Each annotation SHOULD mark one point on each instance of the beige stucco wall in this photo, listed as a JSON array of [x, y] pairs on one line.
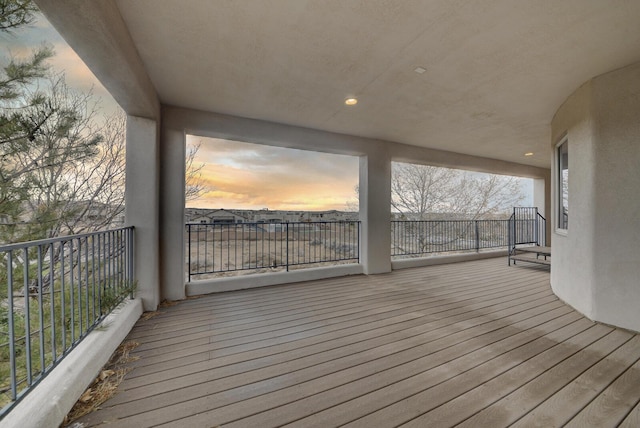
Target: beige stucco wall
[[575, 246], [596, 264], [617, 189]]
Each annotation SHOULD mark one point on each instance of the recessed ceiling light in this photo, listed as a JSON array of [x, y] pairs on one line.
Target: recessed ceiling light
[[529, 154], [351, 101], [419, 70]]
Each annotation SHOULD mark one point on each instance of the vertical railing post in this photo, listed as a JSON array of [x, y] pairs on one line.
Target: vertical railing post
[[99, 253], [189, 251], [535, 227], [287, 242], [86, 280], [72, 292], [79, 286], [62, 297], [93, 275], [131, 259], [358, 229], [27, 314], [12, 339], [477, 236], [52, 296], [40, 280]]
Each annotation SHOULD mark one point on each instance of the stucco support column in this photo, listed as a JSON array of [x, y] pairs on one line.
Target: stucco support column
[[596, 261], [142, 207], [375, 212], [172, 185]]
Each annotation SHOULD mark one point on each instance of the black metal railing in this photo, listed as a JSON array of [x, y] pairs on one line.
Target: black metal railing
[[215, 248], [527, 226], [440, 236], [54, 292]]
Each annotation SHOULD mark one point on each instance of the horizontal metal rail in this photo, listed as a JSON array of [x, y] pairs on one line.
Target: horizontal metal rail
[[214, 248], [54, 292], [441, 236]]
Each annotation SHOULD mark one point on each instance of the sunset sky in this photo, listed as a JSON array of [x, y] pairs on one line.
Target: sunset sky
[[249, 176]]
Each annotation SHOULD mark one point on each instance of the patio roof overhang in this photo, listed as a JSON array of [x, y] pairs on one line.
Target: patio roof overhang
[[496, 71]]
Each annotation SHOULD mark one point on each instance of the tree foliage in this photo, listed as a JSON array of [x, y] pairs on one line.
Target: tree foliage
[[64, 173], [418, 191], [194, 184], [61, 162], [16, 13]]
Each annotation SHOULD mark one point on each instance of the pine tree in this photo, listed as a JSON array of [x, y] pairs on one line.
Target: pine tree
[[15, 131]]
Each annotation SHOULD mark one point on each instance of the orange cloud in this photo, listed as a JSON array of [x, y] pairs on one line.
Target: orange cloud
[[249, 176]]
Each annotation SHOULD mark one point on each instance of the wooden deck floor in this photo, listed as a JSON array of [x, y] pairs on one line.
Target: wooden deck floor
[[475, 344]]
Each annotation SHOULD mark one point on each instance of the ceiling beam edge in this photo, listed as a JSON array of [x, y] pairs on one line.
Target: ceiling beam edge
[[99, 35], [218, 125]]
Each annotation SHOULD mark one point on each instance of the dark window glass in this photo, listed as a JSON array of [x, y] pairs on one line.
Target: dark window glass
[[563, 185]]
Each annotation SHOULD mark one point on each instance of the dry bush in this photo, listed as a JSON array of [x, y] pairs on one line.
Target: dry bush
[[105, 385]]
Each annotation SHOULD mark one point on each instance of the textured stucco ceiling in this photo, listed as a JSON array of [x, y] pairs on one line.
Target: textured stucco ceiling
[[497, 70]]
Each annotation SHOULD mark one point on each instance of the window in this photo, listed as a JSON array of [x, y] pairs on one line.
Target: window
[[563, 184]]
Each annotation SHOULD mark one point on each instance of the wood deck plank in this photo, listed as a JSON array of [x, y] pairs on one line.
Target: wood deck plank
[[265, 324], [517, 404], [460, 408], [475, 341], [400, 386], [376, 284], [368, 394], [307, 307], [298, 358], [389, 360], [335, 338], [217, 350], [613, 405], [231, 412], [558, 409], [358, 311], [633, 418], [406, 349], [461, 383]]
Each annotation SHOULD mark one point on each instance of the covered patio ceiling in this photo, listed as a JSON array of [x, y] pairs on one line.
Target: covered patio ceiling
[[495, 70]]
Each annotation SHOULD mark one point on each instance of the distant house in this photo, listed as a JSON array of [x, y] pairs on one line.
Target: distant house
[[276, 216], [270, 217], [203, 219], [331, 215], [220, 216]]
